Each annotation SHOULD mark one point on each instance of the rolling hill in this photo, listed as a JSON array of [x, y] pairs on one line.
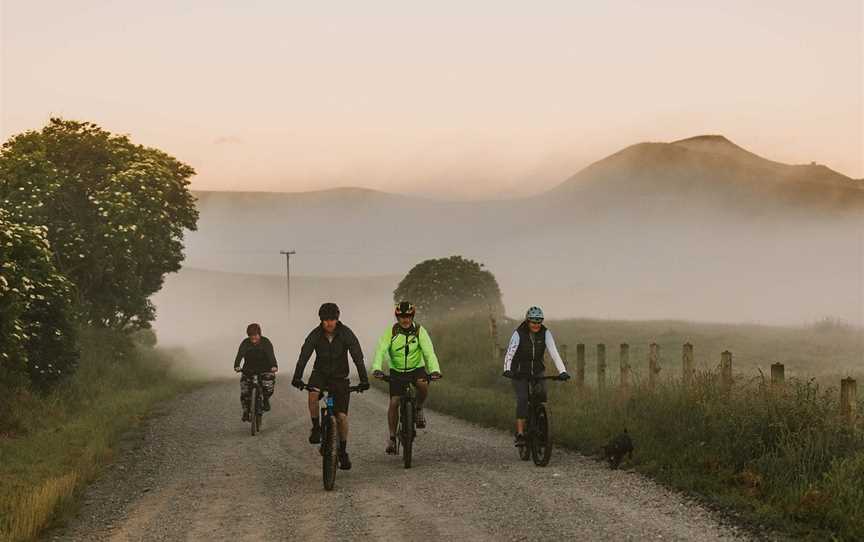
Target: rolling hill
[[698, 228]]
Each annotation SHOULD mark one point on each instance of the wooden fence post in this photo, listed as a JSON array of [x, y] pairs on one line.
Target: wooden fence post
[[653, 364], [687, 364], [848, 401], [601, 367], [726, 370], [493, 334], [778, 376], [580, 365], [624, 363]]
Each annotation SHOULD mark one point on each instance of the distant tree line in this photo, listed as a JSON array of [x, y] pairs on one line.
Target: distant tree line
[[90, 223]]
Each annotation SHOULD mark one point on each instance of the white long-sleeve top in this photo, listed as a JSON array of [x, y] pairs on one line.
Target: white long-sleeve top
[[550, 347]]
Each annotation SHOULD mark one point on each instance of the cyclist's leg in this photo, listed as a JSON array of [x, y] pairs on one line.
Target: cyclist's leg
[[339, 388], [396, 389], [268, 383], [245, 392], [317, 383], [421, 382], [520, 387]]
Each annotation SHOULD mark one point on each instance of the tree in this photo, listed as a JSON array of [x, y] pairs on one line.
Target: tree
[[37, 332], [450, 286], [115, 214]]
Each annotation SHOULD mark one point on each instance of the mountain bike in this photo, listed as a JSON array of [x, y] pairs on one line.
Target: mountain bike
[[538, 434], [405, 429], [256, 404], [329, 434]]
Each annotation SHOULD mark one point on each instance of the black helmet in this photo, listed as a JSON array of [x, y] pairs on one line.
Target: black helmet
[[405, 308], [328, 311]]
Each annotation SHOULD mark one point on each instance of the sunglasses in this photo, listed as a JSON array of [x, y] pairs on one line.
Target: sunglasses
[[538, 322]]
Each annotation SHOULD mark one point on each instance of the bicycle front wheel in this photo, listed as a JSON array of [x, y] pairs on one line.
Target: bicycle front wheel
[[407, 422], [253, 408], [328, 449], [541, 440]]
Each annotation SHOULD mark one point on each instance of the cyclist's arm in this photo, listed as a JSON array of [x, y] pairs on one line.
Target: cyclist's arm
[[240, 353], [305, 353], [553, 353], [357, 357], [381, 351], [271, 356], [428, 351], [511, 350]]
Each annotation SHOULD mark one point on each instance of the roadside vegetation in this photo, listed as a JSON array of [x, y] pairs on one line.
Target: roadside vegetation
[[90, 223], [783, 459]]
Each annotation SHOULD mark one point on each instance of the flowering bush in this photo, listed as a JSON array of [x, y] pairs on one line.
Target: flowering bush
[[37, 334], [114, 212]]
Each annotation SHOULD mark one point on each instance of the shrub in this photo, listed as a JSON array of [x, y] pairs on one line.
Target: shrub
[[37, 333], [450, 286]]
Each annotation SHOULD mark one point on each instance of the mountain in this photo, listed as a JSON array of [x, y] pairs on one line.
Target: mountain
[[712, 168], [698, 228]]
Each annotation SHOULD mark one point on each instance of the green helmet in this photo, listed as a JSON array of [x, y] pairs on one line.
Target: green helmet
[[534, 314]]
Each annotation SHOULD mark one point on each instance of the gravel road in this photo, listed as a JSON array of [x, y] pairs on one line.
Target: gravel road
[[195, 473]]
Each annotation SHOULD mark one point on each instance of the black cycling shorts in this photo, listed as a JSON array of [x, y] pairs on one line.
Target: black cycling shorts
[[399, 378], [337, 387]]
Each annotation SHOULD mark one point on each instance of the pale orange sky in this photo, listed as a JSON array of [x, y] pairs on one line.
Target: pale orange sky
[[449, 98]]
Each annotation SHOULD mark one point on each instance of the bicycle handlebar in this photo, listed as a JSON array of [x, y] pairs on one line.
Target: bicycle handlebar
[[527, 377], [305, 386], [388, 378]]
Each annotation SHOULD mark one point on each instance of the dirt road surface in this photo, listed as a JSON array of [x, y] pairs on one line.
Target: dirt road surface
[[195, 473]]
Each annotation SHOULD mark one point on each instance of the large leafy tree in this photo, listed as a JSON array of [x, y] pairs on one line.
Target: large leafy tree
[[450, 287], [115, 213], [37, 332]]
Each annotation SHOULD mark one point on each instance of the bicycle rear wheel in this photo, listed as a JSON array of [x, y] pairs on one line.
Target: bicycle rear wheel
[[541, 440], [253, 410], [328, 448], [407, 432]]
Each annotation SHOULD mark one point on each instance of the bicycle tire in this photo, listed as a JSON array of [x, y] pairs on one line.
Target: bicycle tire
[[253, 399], [541, 442], [329, 458], [407, 420]]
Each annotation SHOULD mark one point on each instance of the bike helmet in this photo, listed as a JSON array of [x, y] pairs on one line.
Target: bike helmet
[[405, 308], [328, 311], [534, 314]]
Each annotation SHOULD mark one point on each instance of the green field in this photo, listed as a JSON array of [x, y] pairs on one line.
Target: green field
[[782, 459], [51, 446]]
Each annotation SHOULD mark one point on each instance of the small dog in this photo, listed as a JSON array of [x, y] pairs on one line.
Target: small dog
[[617, 448]]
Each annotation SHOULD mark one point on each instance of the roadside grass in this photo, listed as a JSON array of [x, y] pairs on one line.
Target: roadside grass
[[52, 446], [780, 459]]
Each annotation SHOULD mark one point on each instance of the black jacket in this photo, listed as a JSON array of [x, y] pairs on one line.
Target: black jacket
[[529, 355], [331, 357], [259, 357]]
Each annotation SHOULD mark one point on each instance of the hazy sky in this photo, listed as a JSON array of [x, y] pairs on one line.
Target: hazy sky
[[449, 98]]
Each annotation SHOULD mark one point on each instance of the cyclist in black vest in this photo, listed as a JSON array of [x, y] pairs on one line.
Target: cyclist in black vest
[[331, 342], [524, 357], [257, 351]]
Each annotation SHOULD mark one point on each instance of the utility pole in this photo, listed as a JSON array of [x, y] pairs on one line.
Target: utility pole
[[288, 254]]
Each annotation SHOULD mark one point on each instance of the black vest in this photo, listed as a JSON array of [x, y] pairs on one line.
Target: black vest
[[529, 356]]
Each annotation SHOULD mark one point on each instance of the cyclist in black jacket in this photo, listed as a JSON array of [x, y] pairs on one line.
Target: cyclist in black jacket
[[331, 342], [257, 351]]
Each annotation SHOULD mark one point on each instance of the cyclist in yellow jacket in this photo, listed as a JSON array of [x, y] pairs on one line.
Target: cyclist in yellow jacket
[[409, 348]]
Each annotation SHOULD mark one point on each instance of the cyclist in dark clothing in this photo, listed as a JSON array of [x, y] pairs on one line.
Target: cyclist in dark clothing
[[331, 342], [257, 351], [524, 357]]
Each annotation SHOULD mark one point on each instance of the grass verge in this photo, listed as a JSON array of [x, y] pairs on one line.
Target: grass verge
[[781, 459], [51, 446]]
